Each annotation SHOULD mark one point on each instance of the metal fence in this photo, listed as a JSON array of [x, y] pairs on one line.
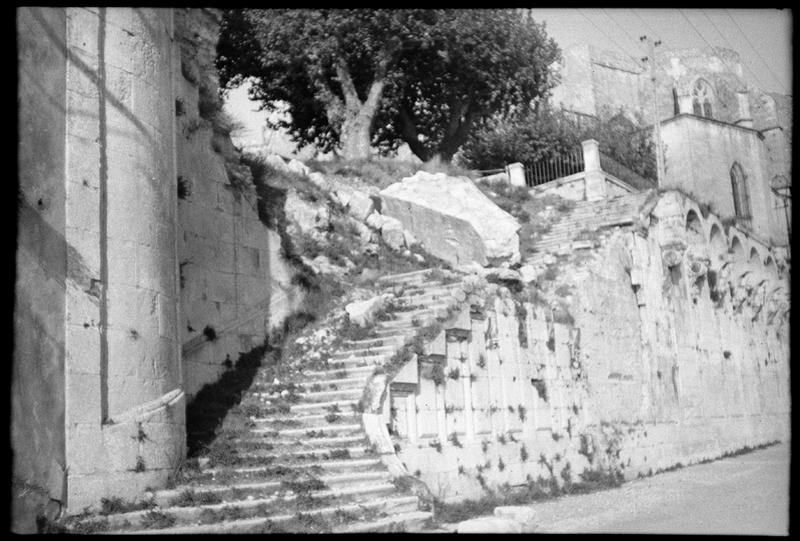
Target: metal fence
[[555, 167]]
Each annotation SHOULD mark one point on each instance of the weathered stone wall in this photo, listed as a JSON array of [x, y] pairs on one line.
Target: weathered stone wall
[[576, 91], [97, 373], [676, 352], [701, 154], [233, 278], [37, 384], [124, 404], [600, 83]]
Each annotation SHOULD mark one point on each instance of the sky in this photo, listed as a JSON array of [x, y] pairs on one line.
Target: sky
[[762, 37]]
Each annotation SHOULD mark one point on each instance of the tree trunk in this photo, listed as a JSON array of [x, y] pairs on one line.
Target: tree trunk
[[355, 136], [457, 131], [408, 133]]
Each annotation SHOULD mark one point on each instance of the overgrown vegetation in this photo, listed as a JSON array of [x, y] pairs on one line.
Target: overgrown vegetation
[[545, 133], [112, 506]]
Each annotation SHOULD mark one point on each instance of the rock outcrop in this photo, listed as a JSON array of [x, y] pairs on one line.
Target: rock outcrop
[[453, 219]]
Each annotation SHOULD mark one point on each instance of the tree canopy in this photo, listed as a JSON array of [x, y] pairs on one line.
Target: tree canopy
[[356, 78]]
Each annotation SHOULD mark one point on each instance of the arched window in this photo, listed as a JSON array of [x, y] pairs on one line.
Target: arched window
[[741, 195], [702, 99]]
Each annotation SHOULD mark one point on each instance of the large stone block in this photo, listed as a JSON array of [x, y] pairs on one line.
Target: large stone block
[[489, 525], [453, 219]]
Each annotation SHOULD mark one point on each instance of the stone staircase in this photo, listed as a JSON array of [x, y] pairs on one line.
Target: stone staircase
[[586, 216], [307, 465]]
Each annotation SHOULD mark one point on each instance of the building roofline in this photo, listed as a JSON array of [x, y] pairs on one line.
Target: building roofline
[[713, 121]]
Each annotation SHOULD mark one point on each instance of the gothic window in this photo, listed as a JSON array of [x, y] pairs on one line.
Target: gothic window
[[741, 195], [702, 99]]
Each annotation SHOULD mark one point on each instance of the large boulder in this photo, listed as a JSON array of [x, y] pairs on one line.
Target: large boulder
[[453, 219]]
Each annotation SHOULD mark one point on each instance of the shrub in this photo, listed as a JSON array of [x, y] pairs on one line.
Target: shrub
[[210, 333], [546, 133]]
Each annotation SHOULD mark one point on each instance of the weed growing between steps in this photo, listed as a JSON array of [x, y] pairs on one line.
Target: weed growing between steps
[[191, 498]]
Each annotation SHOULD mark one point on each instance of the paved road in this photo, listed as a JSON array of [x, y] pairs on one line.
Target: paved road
[[748, 494]]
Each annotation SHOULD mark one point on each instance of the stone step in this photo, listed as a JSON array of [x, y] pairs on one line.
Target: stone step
[[328, 466], [298, 443], [373, 342], [426, 299], [308, 419], [410, 522], [345, 406], [324, 395], [391, 328], [363, 352], [358, 362], [405, 319], [263, 507], [302, 456], [431, 288], [314, 376], [340, 383], [300, 432], [390, 505], [419, 309], [593, 222], [404, 276], [232, 491]]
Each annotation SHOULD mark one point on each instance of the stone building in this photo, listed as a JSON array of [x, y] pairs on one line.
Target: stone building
[[135, 244], [726, 143]]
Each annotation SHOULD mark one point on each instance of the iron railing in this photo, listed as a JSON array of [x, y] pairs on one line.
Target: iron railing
[[562, 165]]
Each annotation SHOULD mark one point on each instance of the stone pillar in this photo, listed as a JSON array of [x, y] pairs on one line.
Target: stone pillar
[[745, 119], [124, 411], [516, 174], [595, 181], [685, 104]]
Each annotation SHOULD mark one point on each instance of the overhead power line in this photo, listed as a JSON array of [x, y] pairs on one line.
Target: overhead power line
[[728, 43], [696, 31], [656, 34], [612, 40], [621, 27], [755, 51]]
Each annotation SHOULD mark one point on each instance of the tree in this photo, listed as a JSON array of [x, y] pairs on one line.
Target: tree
[[331, 67], [477, 63], [355, 77]]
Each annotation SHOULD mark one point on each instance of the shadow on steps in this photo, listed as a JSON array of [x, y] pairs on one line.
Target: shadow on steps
[[205, 413]]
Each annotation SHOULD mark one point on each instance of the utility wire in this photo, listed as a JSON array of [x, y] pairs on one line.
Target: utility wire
[[638, 63], [712, 47], [620, 26], [648, 26], [728, 43], [754, 50]]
